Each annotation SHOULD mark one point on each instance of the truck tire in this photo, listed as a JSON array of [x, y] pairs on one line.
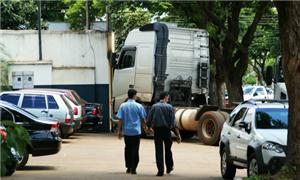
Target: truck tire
[[186, 134], [209, 127]]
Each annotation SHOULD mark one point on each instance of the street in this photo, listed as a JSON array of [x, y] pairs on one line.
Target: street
[[100, 156]]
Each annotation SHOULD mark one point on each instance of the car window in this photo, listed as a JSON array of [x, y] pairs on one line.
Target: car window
[[260, 91], [239, 117], [52, 103], [5, 115], [271, 118], [34, 101], [12, 98]]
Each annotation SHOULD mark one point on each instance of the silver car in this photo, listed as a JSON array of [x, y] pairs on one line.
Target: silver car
[[44, 104]]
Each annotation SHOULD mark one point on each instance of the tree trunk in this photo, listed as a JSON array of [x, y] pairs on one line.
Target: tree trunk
[[289, 22], [234, 87]]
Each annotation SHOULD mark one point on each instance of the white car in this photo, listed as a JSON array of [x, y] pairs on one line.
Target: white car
[[257, 92], [254, 137]]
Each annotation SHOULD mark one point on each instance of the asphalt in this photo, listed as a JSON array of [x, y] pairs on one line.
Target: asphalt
[[87, 156]]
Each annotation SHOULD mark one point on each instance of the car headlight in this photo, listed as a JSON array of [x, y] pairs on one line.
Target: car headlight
[[273, 147]]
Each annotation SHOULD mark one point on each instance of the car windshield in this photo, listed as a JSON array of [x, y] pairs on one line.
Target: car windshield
[[271, 118], [248, 90], [20, 110]]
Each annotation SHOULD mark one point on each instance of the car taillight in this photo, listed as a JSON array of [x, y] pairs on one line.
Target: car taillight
[[75, 111], [68, 119], [94, 112], [54, 127]]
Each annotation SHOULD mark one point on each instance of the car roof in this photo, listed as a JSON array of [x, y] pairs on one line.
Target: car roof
[[266, 104]]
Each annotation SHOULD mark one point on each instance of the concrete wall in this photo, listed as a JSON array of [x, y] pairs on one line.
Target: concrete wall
[[74, 60]]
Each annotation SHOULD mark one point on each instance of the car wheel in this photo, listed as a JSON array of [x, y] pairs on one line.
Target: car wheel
[[253, 168], [209, 127], [23, 161], [228, 170]]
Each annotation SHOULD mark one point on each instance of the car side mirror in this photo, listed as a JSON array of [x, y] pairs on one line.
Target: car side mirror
[[244, 125], [255, 94], [269, 75]]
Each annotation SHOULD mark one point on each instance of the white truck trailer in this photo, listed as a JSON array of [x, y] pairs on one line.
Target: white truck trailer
[[158, 58]]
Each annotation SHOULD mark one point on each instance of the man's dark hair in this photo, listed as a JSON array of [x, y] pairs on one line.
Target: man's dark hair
[[163, 95], [131, 93]]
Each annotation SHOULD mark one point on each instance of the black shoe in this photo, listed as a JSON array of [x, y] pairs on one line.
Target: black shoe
[[160, 173], [169, 170], [133, 171], [128, 170]]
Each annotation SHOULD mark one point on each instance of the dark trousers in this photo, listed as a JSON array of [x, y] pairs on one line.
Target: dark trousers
[[132, 145], [162, 136]]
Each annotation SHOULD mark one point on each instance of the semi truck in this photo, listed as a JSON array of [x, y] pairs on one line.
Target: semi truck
[[156, 58]]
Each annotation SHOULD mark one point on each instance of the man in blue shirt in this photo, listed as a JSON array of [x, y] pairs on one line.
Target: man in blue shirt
[[130, 116]]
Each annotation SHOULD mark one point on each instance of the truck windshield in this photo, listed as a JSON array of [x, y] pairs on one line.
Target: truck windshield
[[271, 118]]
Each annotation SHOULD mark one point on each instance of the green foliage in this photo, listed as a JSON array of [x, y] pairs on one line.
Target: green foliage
[[76, 12], [18, 14], [249, 77], [19, 139], [126, 19], [4, 84]]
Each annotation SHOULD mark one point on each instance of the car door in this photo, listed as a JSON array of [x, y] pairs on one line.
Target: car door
[[244, 136], [35, 103], [124, 75], [235, 132]]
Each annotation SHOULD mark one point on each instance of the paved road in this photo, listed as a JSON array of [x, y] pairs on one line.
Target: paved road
[[100, 156]]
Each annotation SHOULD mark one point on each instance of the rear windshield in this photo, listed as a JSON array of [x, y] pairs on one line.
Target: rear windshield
[[20, 110], [66, 102], [271, 118]]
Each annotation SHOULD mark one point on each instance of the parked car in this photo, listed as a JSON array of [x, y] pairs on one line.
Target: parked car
[[257, 92], [254, 137], [76, 108], [44, 104], [94, 115], [43, 131]]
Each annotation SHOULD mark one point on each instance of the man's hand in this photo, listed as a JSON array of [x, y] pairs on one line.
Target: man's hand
[[178, 139], [120, 135]]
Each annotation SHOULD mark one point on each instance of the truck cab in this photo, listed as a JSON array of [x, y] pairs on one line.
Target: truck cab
[[156, 58]]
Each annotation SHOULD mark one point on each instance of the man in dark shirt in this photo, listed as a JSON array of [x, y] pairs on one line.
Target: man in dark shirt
[[161, 119]]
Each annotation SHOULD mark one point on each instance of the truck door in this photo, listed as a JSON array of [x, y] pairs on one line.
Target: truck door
[[124, 75]]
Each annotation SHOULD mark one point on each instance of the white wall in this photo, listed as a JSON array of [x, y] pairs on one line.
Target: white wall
[[77, 57]]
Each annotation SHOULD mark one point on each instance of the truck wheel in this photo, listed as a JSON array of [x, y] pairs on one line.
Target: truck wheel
[[228, 170], [23, 160], [186, 134], [209, 127]]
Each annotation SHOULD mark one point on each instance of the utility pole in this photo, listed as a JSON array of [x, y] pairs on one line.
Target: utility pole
[[0, 13], [39, 29], [87, 27]]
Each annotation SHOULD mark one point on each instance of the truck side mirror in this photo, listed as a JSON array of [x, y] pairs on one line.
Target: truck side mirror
[[269, 75]]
